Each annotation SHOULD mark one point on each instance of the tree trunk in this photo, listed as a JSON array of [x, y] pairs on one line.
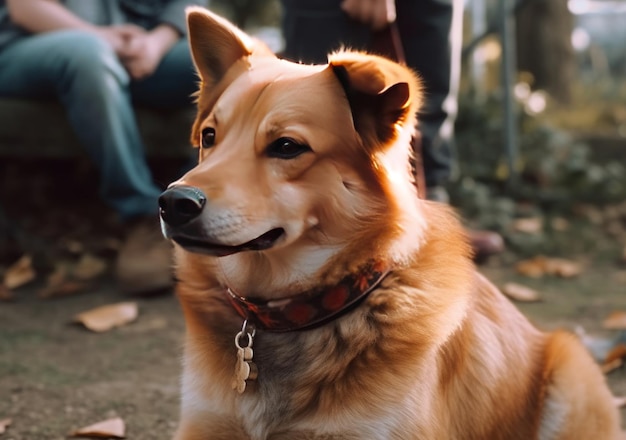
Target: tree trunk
[[544, 47]]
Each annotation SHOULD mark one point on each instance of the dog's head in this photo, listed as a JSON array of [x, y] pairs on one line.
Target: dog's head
[[298, 165]]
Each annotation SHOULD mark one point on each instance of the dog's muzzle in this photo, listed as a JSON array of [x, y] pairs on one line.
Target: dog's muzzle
[[181, 207], [181, 204]]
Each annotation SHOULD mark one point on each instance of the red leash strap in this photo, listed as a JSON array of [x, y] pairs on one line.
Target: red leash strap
[[387, 42]]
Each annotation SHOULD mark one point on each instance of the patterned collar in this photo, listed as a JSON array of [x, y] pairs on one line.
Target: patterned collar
[[313, 308]]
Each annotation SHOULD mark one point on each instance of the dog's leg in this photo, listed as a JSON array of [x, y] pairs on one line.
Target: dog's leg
[[291, 435], [578, 404], [211, 427]]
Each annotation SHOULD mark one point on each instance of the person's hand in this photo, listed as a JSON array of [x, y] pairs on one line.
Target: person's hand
[[141, 56], [144, 51], [377, 14], [119, 36]]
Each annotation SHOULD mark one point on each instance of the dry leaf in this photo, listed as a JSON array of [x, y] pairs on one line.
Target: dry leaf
[[532, 225], [607, 367], [89, 267], [20, 273], [562, 268], [615, 321], [66, 288], [538, 266], [58, 276], [111, 428], [105, 318], [4, 424], [534, 268], [620, 276], [614, 358], [6, 294], [616, 352], [519, 292], [58, 284], [619, 401]]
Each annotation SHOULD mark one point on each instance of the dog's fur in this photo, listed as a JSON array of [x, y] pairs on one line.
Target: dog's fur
[[434, 352]]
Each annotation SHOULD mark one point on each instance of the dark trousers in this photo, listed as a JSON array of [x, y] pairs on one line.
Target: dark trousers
[[431, 37]]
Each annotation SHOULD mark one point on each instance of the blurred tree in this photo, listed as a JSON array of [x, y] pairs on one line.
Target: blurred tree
[[544, 46], [246, 13]]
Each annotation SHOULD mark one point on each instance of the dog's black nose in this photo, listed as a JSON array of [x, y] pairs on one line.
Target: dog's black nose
[[181, 204]]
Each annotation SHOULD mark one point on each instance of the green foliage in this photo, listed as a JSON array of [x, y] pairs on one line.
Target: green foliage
[[553, 167]]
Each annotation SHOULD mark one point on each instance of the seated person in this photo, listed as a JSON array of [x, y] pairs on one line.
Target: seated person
[[98, 58]]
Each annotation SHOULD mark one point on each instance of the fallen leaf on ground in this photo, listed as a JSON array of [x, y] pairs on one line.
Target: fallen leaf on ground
[[6, 294], [104, 318], [4, 424], [607, 367], [66, 288], [618, 351], [89, 267], [111, 428], [562, 268], [615, 321], [540, 265], [619, 401], [519, 292], [532, 225], [58, 284], [534, 268], [20, 273]]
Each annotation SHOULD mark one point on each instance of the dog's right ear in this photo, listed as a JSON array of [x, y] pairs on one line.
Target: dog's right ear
[[216, 44], [384, 96]]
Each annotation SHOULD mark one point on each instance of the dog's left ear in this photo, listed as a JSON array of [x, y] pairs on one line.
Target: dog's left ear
[[216, 44], [384, 96], [216, 47]]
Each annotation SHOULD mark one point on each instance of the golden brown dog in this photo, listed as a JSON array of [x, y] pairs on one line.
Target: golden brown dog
[[323, 300]]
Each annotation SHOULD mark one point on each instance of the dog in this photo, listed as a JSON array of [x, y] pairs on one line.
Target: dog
[[322, 298]]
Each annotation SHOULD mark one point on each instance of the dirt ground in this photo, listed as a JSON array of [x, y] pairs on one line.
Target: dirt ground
[[55, 376]]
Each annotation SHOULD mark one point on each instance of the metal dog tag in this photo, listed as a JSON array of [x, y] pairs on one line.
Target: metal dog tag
[[245, 369]]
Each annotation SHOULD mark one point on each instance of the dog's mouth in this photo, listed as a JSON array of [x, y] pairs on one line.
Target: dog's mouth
[[200, 246]]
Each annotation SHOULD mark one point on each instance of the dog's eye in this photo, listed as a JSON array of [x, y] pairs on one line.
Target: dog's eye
[[208, 137], [286, 148]]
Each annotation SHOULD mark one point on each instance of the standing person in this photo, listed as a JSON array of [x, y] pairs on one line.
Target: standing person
[[98, 57], [431, 36]]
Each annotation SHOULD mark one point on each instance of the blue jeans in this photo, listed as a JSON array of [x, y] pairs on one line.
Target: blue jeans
[[85, 75]]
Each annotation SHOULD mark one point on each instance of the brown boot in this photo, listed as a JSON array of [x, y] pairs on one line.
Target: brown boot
[[144, 263], [485, 243]]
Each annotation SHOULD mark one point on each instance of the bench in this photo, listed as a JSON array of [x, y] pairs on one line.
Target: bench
[[30, 128]]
